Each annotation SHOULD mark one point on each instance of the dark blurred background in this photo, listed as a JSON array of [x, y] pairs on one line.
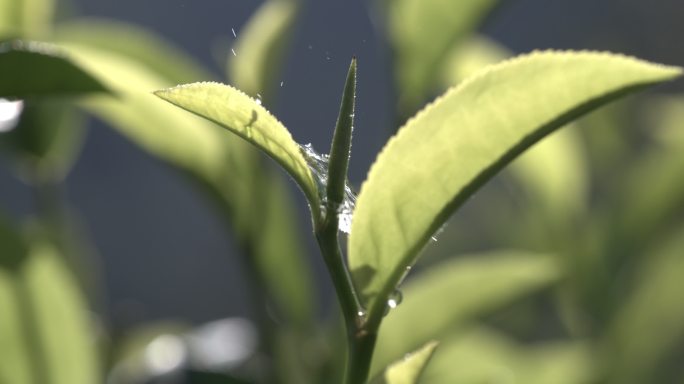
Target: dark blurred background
[[163, 253]]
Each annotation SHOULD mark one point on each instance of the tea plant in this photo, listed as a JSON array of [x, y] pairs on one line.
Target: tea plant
[[433, 164], [427, 171]]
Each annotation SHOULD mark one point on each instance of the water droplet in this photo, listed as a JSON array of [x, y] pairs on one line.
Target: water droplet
[[361, 313], [233, 50], [233, 30], [310, 47], [282, 83], [394, 299], [9, 114], [318, 164], [438, 232]]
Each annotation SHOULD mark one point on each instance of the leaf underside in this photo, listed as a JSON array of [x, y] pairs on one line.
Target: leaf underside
[[452, 147]]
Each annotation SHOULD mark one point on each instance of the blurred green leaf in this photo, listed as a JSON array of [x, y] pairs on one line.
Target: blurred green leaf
[[45, 333], [484, 356], [421, 33], [453, 293], [664, 116], [462, 140], [134, 42], [246, 118], [225, 167], [25, 18], [554, 174], [41, 69], [260, 47], [46, 140], [650, 325], [469, 57], [409, 368]]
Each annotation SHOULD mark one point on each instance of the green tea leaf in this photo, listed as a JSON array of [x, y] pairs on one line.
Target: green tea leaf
[[471, 56], [554, 174], [408, 369], [481, 355], [45, 333], [246, 118], [260, 47], [448, 150], [128, 40], [421, 33], [455, 293], [40, 69], [636, 350], [25, 18], [46, 140], [224, 166]]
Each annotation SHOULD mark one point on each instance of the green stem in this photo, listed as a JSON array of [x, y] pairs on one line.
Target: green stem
[[360, 342]]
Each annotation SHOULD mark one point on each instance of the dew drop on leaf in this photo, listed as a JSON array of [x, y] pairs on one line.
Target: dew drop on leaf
[[394, 299]]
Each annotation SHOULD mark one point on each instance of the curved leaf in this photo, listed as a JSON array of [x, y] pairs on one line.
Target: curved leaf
[[246, 118], [45, 335], [447, 151], [131, 41], [222, 165], [456, 292], [421, 33], [260, 47], [409, 369], [553, 172], [40, 69]]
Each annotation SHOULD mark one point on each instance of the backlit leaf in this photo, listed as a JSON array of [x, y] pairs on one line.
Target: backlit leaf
[[246, 118], [223, 166], [448, 150]]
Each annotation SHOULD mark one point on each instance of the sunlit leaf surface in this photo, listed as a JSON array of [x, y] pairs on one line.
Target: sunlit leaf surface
[[246, 118], [449, 149], [221, 164]]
